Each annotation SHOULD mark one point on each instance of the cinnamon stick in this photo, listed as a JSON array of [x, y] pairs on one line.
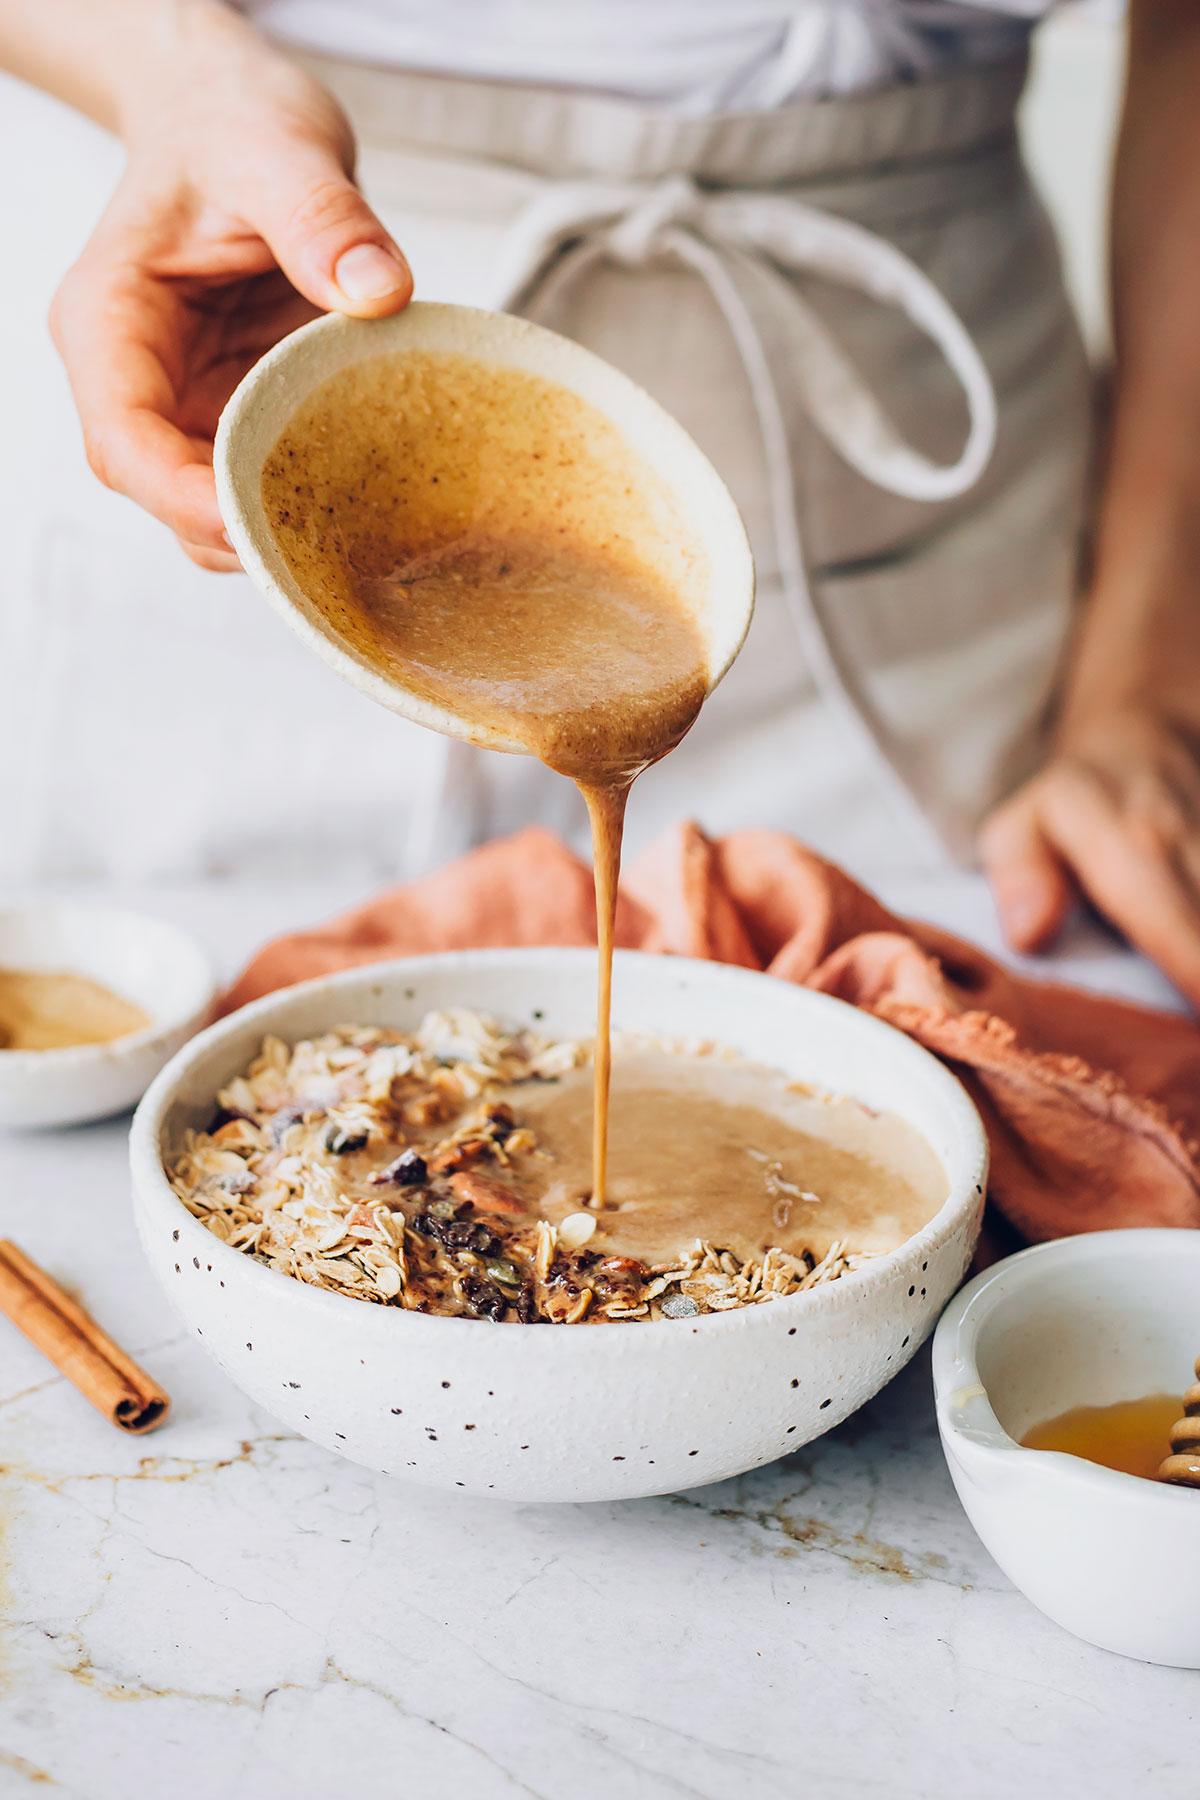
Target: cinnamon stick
[[77, 1346]]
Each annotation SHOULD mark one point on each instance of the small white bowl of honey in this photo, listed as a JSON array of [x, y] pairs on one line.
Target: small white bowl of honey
[[1059, 1374], [94, 1001]]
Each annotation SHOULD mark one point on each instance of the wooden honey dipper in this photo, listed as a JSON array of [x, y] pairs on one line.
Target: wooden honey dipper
[[1183, 1465]]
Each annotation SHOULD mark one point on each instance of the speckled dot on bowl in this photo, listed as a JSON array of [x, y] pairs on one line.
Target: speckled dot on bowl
[[568, 1412]]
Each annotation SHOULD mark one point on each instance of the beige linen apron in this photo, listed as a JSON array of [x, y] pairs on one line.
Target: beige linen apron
[[754, 272], [778, 281]]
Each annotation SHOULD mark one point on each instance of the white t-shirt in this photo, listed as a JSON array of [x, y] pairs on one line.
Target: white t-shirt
[[690, 56]]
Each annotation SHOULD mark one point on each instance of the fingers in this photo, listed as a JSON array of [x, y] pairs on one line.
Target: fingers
[[1032, 890], [325, 237], [1139, 881], [146, 458], [143, 456], [220, 562], [118, 332]]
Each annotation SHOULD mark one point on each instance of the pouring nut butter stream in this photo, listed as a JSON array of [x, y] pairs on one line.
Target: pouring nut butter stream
[[488, 540], [526, 577]]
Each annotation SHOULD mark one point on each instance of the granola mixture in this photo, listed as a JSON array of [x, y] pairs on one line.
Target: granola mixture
[[374, 1164]]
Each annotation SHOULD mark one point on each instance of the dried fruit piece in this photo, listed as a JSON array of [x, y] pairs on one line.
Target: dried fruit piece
[[408, 1170], [283, 1120], [228, 1115], [341, 1140], [502, 1121]]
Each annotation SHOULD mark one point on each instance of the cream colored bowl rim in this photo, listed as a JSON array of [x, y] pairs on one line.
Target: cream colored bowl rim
[[830, 1297]]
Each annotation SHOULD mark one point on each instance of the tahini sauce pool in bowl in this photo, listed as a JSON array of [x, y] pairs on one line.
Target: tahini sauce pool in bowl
[[578, 1413], [447, 1170]]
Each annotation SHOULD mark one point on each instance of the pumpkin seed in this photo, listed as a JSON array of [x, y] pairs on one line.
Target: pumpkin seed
[[504, 1272]]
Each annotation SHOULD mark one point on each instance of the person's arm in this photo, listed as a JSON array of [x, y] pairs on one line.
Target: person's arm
[[1116, 811], [236, 219]]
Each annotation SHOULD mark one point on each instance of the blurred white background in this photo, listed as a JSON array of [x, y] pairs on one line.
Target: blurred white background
[[60, 171]]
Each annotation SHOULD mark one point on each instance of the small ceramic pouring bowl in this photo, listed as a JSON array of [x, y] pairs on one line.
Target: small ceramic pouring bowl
[[706, 527], [1082, 1321]]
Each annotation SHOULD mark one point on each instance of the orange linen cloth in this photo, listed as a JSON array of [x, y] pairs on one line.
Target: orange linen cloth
[[1092, 1105]]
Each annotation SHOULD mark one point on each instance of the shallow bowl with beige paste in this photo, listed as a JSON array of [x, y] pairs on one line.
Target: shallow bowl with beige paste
[[89, 1045], [568, 1413]]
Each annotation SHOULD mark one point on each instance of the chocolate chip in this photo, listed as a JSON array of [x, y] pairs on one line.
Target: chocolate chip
[[485, 1300]]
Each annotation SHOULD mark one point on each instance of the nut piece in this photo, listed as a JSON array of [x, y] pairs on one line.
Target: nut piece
[[679, 1306], [575, 1230], [486, 1195]]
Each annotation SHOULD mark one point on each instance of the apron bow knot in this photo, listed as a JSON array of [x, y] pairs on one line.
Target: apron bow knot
[[747, 246], [637, 235]]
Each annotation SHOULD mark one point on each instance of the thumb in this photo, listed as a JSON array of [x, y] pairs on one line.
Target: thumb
[[1031, 888], [325, 237]]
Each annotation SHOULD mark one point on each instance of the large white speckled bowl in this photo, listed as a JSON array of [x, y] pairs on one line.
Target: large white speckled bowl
[[585, 1412]]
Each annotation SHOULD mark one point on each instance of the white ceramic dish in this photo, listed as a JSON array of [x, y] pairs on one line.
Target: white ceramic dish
[[1082, 1321], [270, 394], [577, 1412], [157, 966]]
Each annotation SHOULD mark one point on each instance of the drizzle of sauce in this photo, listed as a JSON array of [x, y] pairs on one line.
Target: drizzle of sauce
[[489, 541], [1133, 1436], [41, 1010], [716, 1147]]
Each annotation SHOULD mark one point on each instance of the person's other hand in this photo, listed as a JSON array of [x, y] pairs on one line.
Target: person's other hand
[[1114, 815], [236, 220]]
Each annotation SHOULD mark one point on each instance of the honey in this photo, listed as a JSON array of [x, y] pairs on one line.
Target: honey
[[1133, 1436]]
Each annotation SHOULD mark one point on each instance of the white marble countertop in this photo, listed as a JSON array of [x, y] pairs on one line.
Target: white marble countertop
[[224, 1609]]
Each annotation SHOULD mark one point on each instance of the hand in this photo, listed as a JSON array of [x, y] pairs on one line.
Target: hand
[[237, 219], [1115, 815]]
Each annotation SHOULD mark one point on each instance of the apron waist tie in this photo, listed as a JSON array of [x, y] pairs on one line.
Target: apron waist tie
[[736, 242]]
